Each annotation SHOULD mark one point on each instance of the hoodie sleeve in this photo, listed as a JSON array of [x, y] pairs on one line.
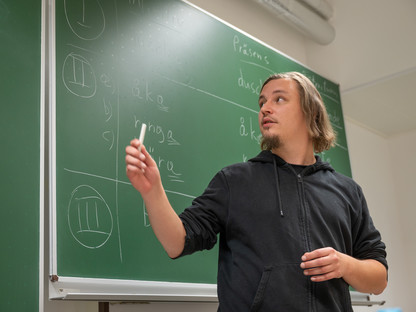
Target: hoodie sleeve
[[366, 238], [206, 217]]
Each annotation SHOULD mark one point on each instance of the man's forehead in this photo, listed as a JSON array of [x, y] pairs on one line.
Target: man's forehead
[[281, 85]]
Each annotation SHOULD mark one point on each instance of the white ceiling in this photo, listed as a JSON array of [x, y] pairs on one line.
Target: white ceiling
[[373, 56]]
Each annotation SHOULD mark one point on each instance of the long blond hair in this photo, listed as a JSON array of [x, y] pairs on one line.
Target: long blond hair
[[319, 127]]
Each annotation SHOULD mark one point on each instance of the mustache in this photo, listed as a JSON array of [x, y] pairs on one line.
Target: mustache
[[266, 120]]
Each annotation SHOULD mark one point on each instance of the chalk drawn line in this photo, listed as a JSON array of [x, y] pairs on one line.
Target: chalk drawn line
[[210, 94], [257, 65], [122, 182]]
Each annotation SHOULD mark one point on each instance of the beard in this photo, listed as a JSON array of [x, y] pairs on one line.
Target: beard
[[270, 142]]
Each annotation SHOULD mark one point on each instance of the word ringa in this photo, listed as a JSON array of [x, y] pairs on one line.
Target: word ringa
[[163, 136]]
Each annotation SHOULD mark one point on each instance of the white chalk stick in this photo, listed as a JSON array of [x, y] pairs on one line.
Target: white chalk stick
[[141, 138], [142, 133]]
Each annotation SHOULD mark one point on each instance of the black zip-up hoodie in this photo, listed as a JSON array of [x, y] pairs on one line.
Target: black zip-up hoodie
[[268, 216]]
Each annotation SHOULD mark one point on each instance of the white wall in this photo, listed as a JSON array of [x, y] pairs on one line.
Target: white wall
[[372, 158], [403, 155]]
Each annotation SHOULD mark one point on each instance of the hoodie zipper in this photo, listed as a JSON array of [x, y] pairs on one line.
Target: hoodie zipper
[[279, 198], [306, 233], [304, 212]]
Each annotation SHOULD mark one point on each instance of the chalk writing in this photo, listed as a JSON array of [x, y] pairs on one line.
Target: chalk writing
[[89, 217], [109, 137], [108, 82], [165, 164], [78, 76], [78, 13], [335, 119], [252, 86], [162, 135], [108, 109], [135, 90], [243, 131], [252, 134], [138, 3], [244, 49], [170, 18], [146, 222], [169, 166], [148, 96], [323, 87]]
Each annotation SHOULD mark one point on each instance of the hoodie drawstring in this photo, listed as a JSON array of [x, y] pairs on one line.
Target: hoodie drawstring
[[276, 177]]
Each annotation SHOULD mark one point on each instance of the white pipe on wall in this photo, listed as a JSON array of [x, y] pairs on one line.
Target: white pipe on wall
[[322, 7], [303, 19]]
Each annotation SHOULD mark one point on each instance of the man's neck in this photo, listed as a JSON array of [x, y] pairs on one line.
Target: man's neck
[[296, 156]]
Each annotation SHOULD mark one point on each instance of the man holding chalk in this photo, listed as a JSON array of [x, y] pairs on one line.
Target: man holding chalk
[[294, 234]]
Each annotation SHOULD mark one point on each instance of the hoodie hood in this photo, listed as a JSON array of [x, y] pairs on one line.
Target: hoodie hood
[[269, 157]]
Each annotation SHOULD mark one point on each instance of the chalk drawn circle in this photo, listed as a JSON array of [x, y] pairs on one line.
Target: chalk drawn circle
[[89, 218], [86, 19], [78, 76]]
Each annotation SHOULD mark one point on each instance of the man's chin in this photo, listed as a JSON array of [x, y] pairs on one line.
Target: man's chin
[[270, 142]]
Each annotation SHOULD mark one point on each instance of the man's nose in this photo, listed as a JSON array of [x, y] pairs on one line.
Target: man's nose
[[265, 108]]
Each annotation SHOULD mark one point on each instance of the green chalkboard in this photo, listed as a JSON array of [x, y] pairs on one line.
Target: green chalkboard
[[195, 82], [20, 76]]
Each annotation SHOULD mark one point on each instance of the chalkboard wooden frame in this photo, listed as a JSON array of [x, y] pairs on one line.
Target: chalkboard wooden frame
[[90, 288]]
